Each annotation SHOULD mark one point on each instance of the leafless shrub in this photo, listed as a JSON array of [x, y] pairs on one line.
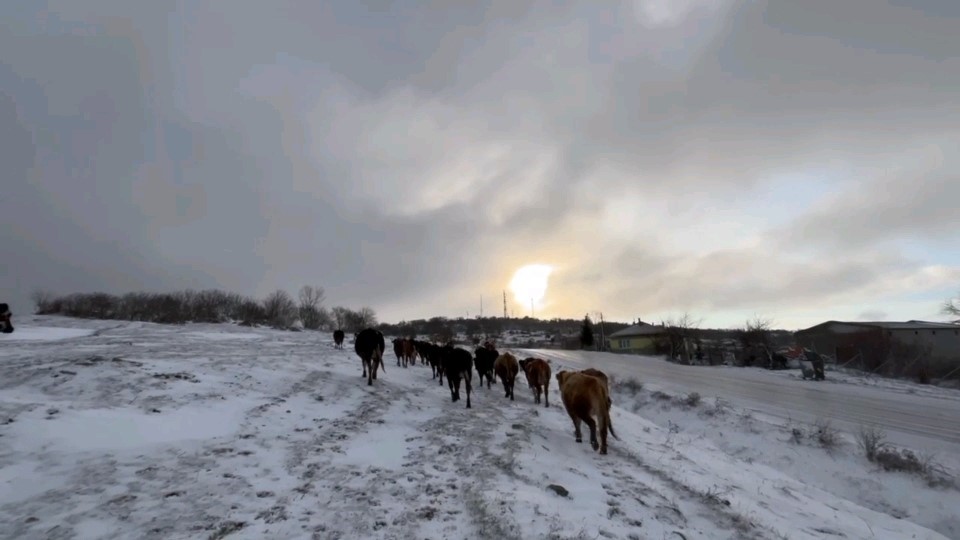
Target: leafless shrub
[[899, 459], [692, 400], [826, 435], [719, 408], [797, 434], [871, 440], [714, 496], [310, 308], [657, 394], [280, 310], [42, 302], [629, 386]]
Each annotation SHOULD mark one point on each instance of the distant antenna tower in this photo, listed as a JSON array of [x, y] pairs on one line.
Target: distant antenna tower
[[505, 305], [481, 306]]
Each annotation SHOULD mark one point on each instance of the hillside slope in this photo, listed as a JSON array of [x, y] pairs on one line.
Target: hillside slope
[[131, 430]]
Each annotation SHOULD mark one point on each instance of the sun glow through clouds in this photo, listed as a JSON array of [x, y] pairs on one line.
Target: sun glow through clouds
[[529, 283]]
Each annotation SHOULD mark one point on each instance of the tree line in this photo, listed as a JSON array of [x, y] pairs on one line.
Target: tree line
[[278, 309], [442, 329]]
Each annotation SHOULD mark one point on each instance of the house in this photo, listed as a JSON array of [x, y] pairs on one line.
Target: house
[[873, 344], [641, 338]]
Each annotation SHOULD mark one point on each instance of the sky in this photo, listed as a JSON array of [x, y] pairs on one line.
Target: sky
[[796, 161]]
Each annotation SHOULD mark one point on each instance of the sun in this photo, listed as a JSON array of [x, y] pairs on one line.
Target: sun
[[529, 283]]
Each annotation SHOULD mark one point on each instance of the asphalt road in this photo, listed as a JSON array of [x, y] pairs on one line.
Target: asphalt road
[[929, 422]]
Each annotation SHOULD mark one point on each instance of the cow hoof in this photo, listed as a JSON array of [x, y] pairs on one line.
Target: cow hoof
[[603, 451], [579, 440], [468, 405]]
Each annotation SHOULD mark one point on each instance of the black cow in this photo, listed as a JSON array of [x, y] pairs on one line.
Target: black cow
[[338, 339], [6, 326], [369, 345], [485, 357], [457, 363], [398, 349], [430, 353]]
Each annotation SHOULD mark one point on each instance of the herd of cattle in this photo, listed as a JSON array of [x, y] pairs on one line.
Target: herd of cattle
[[585, 394]]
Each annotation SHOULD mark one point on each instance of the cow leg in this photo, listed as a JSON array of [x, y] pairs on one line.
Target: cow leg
[[512, 386], [546, 401], [576, 428], [467, 383], [453, 395], [593, 432], [604, 427]]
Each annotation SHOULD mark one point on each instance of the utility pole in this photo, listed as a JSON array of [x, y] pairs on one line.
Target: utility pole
[[603, 339], [481, 306], [531, 307], [505, 305]]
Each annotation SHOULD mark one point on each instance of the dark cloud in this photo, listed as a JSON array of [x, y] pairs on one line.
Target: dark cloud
[[720, 157]]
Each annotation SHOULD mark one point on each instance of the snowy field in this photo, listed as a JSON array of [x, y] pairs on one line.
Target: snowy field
[[112, 429]]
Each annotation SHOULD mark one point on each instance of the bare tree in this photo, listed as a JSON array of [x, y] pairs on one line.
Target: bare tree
[[951, 307], [280, 309], [755, 339], [310, 308], [339, 315], [679, 333], [363, 318], [43, 301]]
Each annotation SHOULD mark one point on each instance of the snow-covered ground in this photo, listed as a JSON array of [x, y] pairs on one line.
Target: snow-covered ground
[[133, 430]]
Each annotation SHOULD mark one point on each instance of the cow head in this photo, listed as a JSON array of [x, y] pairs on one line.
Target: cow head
[[523, 363], [5, 325], [562, 377]]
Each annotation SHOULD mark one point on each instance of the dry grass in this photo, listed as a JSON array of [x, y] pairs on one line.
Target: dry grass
[[826, 435], [873, 443], [692, 400]]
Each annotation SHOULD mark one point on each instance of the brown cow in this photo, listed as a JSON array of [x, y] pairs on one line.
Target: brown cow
[[584, 398], [538, 377], [409, 352], [506, 367], [603, 377]]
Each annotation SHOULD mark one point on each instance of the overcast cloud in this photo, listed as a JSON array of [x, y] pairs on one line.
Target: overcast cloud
[[795, 160]]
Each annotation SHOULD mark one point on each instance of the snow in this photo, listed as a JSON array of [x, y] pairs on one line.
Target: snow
[[106, 429], [148, 431], [41, 333]]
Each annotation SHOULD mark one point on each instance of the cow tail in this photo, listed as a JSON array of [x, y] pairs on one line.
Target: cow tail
[[378, 357], [606, 417]]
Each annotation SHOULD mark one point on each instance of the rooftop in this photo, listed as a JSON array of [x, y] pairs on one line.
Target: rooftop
[[642, 329], [894, 325]]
